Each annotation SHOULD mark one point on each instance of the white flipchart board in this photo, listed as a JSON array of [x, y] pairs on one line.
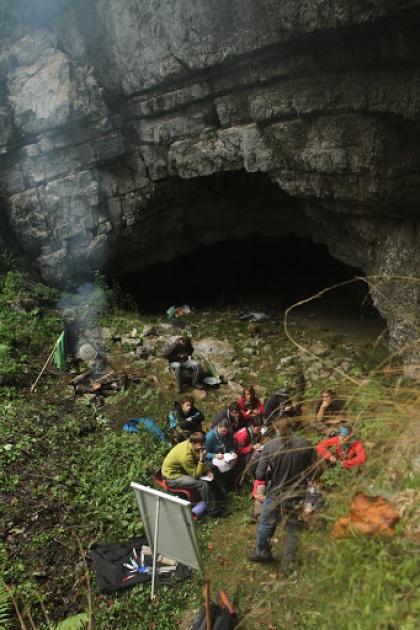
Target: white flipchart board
[[174, 532]]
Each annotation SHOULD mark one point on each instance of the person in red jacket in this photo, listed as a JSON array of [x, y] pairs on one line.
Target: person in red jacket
[[251, 406], [344, 448], [248, 445]]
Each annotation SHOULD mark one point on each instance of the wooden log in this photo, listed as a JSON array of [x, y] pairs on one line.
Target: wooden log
[[83, 389], [80, 377]]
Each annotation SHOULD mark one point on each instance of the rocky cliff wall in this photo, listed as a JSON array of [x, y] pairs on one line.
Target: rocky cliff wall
[[128, 129]]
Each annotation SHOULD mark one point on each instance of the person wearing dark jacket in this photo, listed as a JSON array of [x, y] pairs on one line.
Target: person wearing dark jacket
[[234, 414], [279, 406], [187, 417], [329, 411], [290, 460], [179, 356]]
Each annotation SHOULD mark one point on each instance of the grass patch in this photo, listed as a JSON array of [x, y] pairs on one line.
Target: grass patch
[[66, 468]]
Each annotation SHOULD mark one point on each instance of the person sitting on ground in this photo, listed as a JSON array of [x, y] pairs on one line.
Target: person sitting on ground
[[187, 417], [251, 406], [234, 414], [220, 441], [329, 411], [343, 448], [184, 466], [290, 460], [221, 455], [179, 356], [248, 445], [279, 405]]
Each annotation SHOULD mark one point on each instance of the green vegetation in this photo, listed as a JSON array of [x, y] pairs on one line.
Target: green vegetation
[[66, 468], [23, 329], [5, 603]]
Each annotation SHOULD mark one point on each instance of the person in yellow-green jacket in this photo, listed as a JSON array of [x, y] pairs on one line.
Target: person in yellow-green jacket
[[184, 467]]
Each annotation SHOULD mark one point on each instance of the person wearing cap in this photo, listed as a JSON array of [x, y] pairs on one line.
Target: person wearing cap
[[279, 405], [344, 448]]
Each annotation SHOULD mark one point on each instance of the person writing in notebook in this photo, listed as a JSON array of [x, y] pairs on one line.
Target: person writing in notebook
[[185, 465]]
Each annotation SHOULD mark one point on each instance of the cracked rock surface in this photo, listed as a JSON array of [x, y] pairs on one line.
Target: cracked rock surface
[[128, 127]]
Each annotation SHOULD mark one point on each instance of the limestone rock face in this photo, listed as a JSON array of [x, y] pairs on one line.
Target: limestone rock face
[[128, 127]]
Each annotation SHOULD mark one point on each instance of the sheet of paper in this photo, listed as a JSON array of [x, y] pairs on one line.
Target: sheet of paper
[[223, 464]]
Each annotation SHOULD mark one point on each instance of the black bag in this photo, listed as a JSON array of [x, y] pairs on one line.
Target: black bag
[[109, 560], [221, 619]]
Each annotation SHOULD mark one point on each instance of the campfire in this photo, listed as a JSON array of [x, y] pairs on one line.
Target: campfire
[[90, 382], [99, 380]]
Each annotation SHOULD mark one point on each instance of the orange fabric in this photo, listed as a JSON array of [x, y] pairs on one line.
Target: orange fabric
[[225, 601], [368, 516]]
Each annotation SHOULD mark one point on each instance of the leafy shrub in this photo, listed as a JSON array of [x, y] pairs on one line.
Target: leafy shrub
[[24, 328], [4, 594]]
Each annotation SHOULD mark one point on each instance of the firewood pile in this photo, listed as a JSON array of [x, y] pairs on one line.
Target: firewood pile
[[94, 386], [89, 383]]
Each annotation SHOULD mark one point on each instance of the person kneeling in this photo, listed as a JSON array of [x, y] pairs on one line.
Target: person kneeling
[[184, 467]]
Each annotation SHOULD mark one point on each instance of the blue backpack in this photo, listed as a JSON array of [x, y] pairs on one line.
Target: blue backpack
[[149, 424]]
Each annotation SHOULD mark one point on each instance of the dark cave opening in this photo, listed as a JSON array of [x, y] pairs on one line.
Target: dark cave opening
[[258, 272]]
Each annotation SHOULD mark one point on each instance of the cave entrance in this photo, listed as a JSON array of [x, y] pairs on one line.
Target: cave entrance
[[234, 239], [258, 272]]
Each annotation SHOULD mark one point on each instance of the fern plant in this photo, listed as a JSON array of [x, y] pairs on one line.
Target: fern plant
[[77, 622], [7, 598], [4, 604]]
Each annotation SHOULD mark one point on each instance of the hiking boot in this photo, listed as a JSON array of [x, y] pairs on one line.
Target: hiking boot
[[287, 566], [254, 556]]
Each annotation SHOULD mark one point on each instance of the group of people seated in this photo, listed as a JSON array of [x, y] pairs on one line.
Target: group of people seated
[[248, 440], [237, 430]]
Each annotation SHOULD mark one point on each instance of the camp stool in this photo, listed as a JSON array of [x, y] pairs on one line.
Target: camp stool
[[189, 494], [187, 376]]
